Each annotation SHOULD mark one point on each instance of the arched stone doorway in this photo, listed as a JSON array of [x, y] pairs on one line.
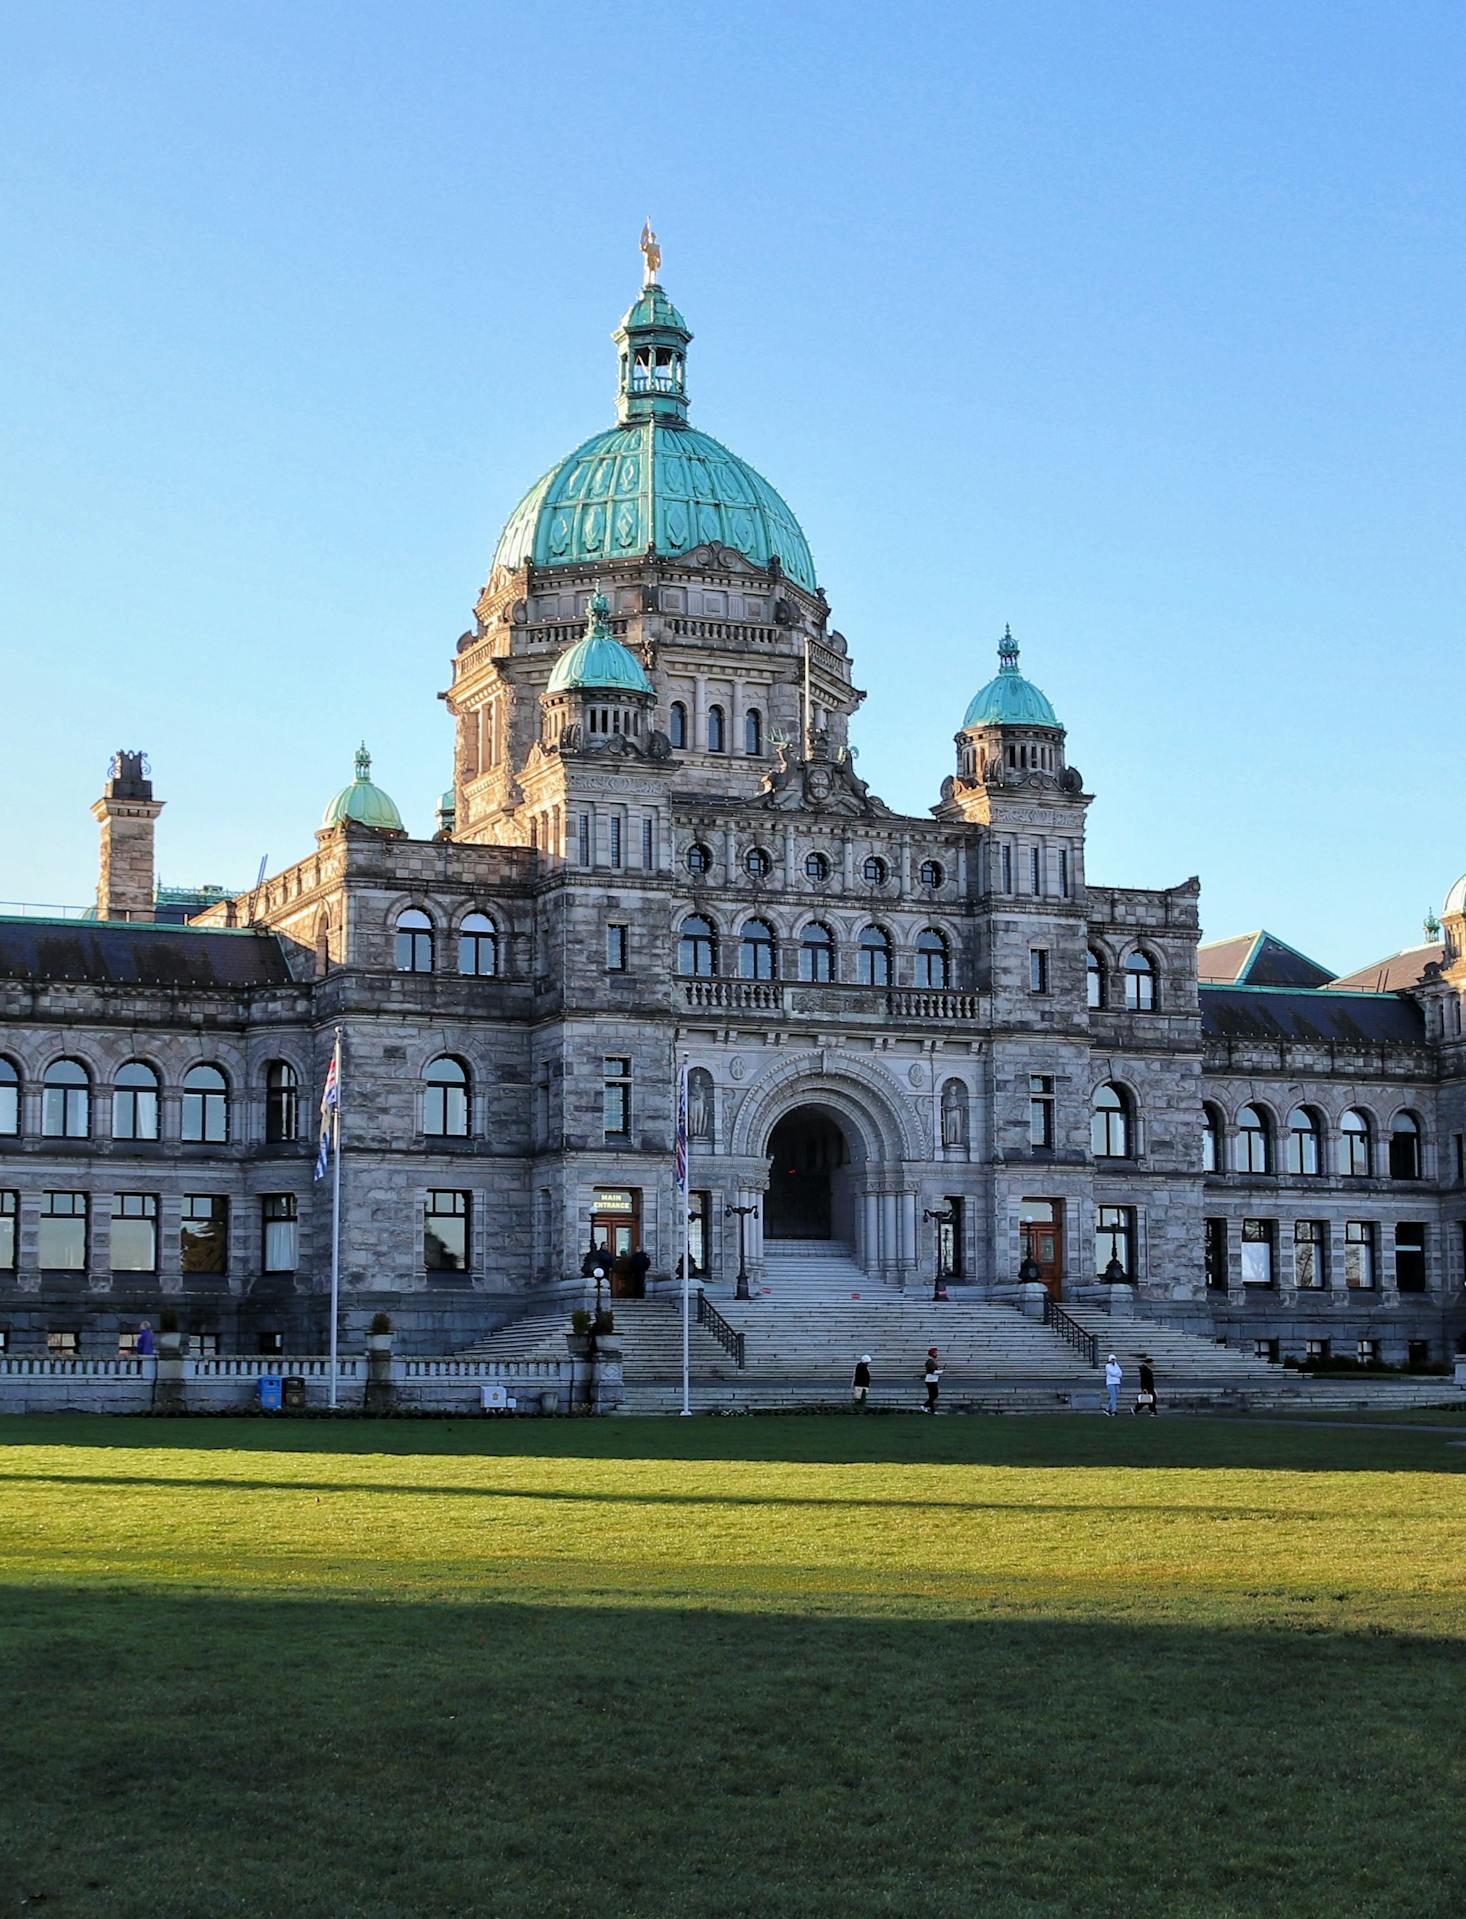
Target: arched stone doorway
[[811, 1192]]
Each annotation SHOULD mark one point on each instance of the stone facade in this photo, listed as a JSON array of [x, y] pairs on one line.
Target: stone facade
[[898, 1027]]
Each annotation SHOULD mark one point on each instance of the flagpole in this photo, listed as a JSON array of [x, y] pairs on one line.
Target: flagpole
[[684, 1184], [336, 1221]]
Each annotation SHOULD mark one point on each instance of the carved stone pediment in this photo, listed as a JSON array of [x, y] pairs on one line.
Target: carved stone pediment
[[823, 783]]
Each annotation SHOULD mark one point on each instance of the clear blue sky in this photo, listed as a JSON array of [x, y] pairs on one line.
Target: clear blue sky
[[1139, 326]]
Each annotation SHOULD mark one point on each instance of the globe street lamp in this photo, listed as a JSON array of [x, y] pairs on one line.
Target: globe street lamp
[[743, 1214], [941, 1216]]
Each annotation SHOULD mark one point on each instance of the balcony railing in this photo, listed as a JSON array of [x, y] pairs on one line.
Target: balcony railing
[[932, 1005]]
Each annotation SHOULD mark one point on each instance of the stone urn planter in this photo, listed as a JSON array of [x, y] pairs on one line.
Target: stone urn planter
[[379, 1342]]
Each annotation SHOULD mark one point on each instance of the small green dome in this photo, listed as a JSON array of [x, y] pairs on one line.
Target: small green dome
[[363, 803], [1010, 700], [599, 661]]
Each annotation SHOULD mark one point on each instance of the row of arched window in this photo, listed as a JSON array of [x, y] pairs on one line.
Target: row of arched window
[[679, 733], [69, 1094], [415, 944], [698, 953], [1303, 1143], [1137, 982]]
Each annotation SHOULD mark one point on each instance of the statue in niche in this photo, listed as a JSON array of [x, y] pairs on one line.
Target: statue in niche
[[700, 1104], [954, 1114]]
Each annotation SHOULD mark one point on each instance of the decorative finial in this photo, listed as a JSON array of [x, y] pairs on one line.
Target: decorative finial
[[597, 613], [1007, 651], [652, 254], [1432, 927], [363, 762]]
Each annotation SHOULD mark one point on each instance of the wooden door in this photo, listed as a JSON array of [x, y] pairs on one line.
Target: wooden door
[[1041, 1235]]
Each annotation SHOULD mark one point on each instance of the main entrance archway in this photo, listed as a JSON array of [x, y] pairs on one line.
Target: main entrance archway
[[809, 1184]]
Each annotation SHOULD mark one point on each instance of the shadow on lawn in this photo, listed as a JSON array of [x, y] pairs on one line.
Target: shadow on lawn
[[383, 1759], [1068, 1440]]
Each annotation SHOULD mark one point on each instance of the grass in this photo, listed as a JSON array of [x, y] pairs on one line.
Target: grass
[[1028, 1669]]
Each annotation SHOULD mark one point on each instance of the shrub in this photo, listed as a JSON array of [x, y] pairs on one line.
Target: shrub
[[168, 1320], [605, 1320], [580, 1321], [381, 1322]]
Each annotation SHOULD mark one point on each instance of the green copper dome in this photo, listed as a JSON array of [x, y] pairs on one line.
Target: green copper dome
[[651, 480], [362, 802], [599, 661], [1010, 700]]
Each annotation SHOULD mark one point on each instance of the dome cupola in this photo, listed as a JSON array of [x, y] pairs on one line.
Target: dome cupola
[[599, 659], [1009, 699], [362, 803], [598, 694]]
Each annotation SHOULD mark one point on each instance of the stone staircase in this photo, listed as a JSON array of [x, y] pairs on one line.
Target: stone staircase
[[1179, 1357], [534, 1336]]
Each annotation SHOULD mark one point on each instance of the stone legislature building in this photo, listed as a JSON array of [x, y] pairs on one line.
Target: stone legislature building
[[934, 1041]]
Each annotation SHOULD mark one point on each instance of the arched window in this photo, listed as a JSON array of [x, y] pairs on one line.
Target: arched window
[[875, 957], [1109, 1123], [757, 863], [445, 1098], [282, 1102], [1252, 1152], [135, 1102], [1405, 1147], [205, 1104], [933, 961], [697, 948], [677, 724], [414, 945], [717, 732], [9, 1098], [1211, 1140], [478, 946], [1354, 1145], [756, 951], [1303, 1142], [1140, 983], [66, 1101], [816, 868], [753, 731], [816, 952], [1094, 980]]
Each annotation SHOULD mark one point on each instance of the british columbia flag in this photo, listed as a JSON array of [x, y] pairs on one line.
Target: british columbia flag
[[330, 1109]]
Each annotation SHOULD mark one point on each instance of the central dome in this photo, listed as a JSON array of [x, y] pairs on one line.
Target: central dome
[[651, 480]]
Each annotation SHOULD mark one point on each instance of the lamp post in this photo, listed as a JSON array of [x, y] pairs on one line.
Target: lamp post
[[940, 1216], [743, 1215]]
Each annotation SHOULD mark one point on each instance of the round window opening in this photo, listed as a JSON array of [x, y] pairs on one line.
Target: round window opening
[[699, 859]]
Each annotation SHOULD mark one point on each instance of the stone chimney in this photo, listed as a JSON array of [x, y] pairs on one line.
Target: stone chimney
[[126, 812]]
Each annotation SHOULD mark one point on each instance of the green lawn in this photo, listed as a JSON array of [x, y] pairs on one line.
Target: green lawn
[[774, 1667]]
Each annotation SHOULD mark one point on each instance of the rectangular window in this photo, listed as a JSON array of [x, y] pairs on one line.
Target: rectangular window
[[1460, 1157], [582, 837], [1041, 1110], [134, 1233], [1265, 1349], [1316, 1350], [1114, 1242], [1035, 871], [1366, 1351], [699, 1212], [203, 1242], [445, 1233], [1007, 869], [1410, 1258], [63, 1342], [267, 1344], [1309, 1242], [9, 1211], [1417, 1352], [1257, 1252], [949, 1238], [1359, 1255], [1216, 1255], [616, 949], [203, 1345], [281, 1245], [63, 1246], [649, 844], [1063, 873], [616, 1098], [1038, 969], [615, 839], [4, 1340]]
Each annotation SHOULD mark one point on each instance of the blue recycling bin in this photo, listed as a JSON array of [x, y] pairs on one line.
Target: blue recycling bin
[[270, 1388]]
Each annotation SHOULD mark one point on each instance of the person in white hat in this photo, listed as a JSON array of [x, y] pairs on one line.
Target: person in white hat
[[860, 1380], [1114, 1373]]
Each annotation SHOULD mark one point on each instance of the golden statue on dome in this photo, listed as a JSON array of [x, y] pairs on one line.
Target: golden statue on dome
[[652, 253]]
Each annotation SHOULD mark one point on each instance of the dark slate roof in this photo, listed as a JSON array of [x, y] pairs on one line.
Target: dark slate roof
[[119, 953], [1259, 959], [1300, 1014], [1389, 975]]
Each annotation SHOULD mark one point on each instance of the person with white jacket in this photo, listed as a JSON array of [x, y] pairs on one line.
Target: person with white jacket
[[1114, 1373]]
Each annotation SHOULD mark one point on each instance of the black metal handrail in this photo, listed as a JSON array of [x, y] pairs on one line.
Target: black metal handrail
[[1070, 1331], [728, 1337]]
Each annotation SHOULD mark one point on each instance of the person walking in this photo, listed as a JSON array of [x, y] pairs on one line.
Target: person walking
[[860, 1381], [1114, 1373], [143, 1344], [932, 1379], [1146, 1401]]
